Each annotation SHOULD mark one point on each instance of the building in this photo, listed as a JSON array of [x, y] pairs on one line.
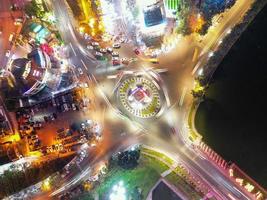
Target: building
[[154, 13], [164, 190], [30, 74]]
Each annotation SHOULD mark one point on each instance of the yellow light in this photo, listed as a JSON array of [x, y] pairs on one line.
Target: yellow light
[[46, 184], [81, 29], [35, 153], [198, 87], [92, 22], [15, 137]]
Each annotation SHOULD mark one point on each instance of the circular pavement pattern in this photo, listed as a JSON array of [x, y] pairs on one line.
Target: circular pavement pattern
[[139, 96]]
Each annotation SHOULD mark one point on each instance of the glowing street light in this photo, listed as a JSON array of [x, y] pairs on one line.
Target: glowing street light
[[211, 54], [118, 192]]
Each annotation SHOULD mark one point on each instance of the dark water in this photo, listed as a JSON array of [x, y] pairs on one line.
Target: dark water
[[233, 119]]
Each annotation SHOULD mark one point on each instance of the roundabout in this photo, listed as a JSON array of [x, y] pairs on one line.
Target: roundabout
[[140, 96]]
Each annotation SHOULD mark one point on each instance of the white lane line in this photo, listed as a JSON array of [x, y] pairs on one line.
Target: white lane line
[[73, 49], [182, 96], [84, 64], [196, 67]]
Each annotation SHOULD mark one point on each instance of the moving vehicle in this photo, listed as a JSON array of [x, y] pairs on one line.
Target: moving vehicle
[[80, 71], [125, 61], [116, 46], [154, 60], [7, 53], [137, 51]]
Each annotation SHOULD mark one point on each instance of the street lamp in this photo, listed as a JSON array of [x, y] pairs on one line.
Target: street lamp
[[118, 192]]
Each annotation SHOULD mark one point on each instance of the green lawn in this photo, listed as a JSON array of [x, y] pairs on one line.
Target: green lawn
[[160, 155], [144, 176]]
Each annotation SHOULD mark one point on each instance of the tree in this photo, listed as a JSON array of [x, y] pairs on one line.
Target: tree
[[128, 159], [34, 9]]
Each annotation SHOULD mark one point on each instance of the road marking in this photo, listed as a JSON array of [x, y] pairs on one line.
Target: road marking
[[73, 49], [182, 96], [84, 64], [196, 67], [195, 55]]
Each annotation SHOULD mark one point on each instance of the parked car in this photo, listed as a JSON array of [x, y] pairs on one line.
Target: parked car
[[90, 47], [98, 55], [115, 62], [73, 106], [115, 54], [80, 71], [95, 44], [116, 45], [103, 51], [109, 49]]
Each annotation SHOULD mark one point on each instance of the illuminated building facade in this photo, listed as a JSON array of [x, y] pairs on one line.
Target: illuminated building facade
[[30, 74]]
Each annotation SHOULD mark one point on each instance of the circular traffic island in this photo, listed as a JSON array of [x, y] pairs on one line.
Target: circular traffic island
[[140, 96]]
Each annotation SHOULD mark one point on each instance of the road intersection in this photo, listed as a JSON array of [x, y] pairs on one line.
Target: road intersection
[[167, 133]]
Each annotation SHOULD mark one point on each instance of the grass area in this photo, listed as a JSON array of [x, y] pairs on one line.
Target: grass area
[[178, 182], [161, 155], [144, 176]]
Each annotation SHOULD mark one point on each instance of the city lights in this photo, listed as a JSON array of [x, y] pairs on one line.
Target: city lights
[[118, 192], [99, 99]]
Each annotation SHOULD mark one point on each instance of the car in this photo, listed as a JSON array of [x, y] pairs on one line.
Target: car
[[116, 46], [63, 99], [85, 85], [7, 53], [154, 60], [80, 71], [65, 106], [132, 59], [54, 102], [17, 23], [115, 62], [173, 131], [122, 40], [89, 122], [11, 36], [73, 106], [103, 50], [137, 51], [125, 61], [115, 54], [109, 49], [90, 47], [95, 44], [82, 126], [98, 54], [86, 36], [34, 137], [114, 58]]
